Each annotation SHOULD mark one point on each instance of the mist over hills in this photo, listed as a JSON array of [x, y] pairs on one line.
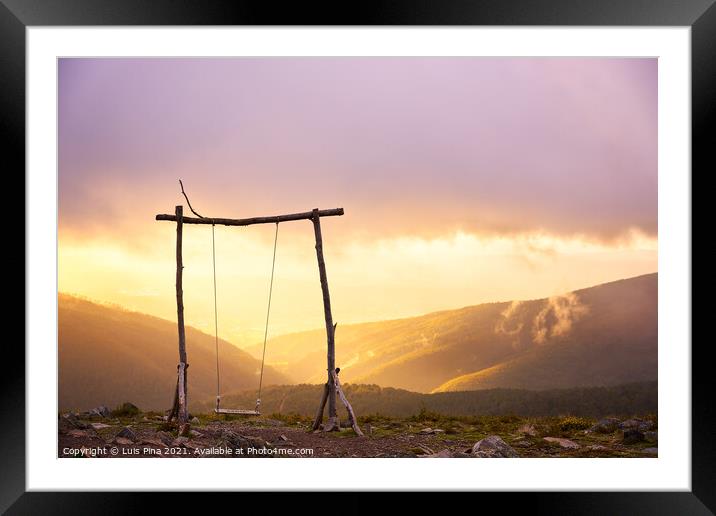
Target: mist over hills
[[108, 355], [599, 336], [602, 335]]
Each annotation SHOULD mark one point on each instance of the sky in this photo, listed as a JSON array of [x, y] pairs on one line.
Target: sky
[[463, 180]]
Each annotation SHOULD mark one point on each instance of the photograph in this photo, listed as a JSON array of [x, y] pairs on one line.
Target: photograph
[[434, 257]]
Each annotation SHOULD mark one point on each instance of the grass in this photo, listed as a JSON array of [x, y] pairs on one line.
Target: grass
[[525, 434]]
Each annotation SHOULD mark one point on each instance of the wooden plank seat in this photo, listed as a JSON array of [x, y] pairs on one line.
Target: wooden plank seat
[[245, 412]]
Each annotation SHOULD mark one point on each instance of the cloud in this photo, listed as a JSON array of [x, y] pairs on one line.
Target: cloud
[[408, 146], [557, 317], [504, 324]]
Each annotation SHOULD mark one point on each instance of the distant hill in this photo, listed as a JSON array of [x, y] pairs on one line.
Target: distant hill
[[603, 335], [628, 399], [108, 355]]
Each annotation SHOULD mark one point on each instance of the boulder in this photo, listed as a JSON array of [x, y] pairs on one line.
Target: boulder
[[127, 433], [606, 425], [632, 436], [564, 443], [99, 426], [493, 446]]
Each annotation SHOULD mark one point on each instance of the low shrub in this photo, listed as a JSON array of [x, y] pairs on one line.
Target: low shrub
[[126, 409]]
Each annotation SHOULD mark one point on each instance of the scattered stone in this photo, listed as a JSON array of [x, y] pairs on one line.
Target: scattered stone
[[184, 430], [194, 433], [652, 437], [180, 441], [636, 423], [100, 426], [606, 425], [100, 411], [122, 440], [632, 436], [272, 422], [165, 437], [446, 454], [493, 447], [652, 451], [596, 447], [430, 431], [426, 431], [77, 433], [283, 437], [195, 421], [426, 450], [153, 442], [244, 442], [564, 443], [442, 454], [527, 429], [127, 433], [70, 420]]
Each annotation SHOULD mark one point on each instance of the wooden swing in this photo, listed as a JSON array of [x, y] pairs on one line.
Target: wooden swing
[[332, 387]]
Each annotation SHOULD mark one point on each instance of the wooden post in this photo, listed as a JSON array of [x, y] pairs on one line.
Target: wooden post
[[349, 409], [183, 415], [321, 407], [332, 423]]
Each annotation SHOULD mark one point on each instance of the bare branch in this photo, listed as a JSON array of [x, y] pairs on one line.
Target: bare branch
[[187, 201]]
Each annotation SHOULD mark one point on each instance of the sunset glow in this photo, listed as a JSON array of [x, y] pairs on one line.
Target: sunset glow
[[463, 181]]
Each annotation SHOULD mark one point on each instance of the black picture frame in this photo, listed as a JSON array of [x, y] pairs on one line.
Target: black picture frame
[[700, 15]]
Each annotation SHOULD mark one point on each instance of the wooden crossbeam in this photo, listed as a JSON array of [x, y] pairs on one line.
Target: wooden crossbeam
[[308, 215]]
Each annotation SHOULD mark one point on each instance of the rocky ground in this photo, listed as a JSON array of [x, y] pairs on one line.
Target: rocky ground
[[130, 433]]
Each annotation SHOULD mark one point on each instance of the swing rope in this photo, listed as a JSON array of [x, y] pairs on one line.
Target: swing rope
[[216, 318], [268, 311]]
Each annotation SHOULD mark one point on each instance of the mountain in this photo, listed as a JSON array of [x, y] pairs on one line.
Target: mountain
[[602, 335], [108, 355]]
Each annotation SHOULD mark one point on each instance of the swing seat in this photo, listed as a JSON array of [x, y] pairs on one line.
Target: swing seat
[[245, 412]]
